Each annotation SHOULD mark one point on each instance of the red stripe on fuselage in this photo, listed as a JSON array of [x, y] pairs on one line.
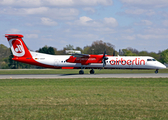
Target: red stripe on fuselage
[[67, 67]]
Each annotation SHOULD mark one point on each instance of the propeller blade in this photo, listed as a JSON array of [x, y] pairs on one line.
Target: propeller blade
[[114, 53], [104, 63], [104, 53]]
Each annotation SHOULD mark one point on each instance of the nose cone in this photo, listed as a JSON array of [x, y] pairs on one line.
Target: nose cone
[[164, 66], [161, 66]]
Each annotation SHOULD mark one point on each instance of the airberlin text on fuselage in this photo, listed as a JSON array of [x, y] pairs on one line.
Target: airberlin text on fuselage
[[122, 61]]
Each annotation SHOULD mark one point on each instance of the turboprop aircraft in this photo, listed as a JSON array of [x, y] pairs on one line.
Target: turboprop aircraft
[[78, 61]]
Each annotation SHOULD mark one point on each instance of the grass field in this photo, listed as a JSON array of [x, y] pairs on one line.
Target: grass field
[[75, 71], [81, 99]]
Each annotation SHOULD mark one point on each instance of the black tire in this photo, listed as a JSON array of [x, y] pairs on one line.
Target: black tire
[[92, 71], [81, 72], [156, 71]]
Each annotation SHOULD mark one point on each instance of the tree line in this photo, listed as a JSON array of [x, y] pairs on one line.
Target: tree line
[[97, 47]]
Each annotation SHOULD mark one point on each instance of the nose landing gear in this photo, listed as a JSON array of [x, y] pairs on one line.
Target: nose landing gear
[[156, 71]]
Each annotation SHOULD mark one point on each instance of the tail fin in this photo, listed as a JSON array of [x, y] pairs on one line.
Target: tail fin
[[18, 47]]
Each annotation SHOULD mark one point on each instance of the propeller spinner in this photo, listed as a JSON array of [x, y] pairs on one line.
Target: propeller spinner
[[104, 59]]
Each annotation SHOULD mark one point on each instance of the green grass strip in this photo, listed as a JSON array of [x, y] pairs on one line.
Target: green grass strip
[[85, 98]]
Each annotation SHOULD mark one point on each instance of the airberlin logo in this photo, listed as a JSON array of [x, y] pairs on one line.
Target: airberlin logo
[[17, 47], [136, 61]]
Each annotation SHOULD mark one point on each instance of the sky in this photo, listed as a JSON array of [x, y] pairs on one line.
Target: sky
[[139, 24]]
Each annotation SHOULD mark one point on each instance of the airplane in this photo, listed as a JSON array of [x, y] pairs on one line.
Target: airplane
[[22, 54]]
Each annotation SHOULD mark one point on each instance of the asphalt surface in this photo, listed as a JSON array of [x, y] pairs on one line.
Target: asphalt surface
[[39, 76]]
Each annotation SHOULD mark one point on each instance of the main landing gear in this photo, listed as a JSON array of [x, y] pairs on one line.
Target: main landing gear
[[91, 71], [82, 72], [156, 71]]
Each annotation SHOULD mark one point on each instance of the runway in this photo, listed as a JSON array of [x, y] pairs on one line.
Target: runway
[[52, 76]]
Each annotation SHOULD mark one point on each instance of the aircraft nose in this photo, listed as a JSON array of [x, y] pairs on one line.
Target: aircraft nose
[[162, 66]]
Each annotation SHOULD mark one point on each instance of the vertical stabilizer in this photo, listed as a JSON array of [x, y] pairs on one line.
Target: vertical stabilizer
[[18, 47]]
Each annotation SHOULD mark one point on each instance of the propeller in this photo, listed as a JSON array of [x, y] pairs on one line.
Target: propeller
[[104, 59], [114, 53]]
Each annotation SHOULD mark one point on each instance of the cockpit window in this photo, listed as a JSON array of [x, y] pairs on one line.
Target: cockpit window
[[151, 60]]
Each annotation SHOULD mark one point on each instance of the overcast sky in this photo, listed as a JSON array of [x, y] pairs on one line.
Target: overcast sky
[[140, 24]]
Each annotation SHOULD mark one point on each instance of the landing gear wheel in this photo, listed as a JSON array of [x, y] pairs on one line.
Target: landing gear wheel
[[81, 72], [91, 71], [156, 71]]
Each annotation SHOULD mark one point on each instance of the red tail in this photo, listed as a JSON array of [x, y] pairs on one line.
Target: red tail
[[18, 47]]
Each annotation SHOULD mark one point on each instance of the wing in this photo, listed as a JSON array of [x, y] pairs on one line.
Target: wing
[[81, 55]]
